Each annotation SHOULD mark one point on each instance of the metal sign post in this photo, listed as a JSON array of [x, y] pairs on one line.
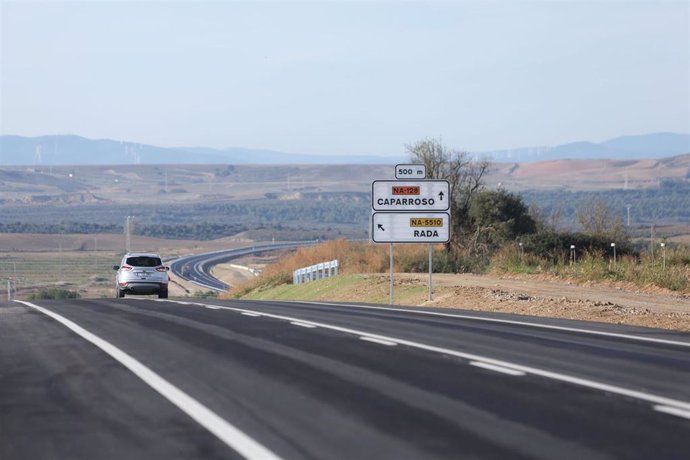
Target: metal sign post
[[430, 271], [390, 301], [410, 211]]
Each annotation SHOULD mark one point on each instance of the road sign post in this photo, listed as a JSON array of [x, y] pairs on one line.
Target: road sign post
[[430, 271], [410, 211], [390, 300]]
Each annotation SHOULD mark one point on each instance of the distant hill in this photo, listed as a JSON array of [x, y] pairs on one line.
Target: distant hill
[[76, 150], [647, 146]]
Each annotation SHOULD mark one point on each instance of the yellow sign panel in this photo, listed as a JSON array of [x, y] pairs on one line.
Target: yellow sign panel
[[426, 222]]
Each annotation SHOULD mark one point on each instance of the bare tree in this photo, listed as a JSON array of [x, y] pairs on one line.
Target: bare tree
[[457, 167], [596, 219], [465, 176]]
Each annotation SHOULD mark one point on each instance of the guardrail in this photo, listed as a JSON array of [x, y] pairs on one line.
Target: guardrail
[[315, 272]]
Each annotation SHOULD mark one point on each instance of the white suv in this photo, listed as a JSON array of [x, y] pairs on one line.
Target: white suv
[[141, 273]]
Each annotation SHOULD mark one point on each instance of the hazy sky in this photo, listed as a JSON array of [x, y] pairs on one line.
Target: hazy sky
[[345, 77]]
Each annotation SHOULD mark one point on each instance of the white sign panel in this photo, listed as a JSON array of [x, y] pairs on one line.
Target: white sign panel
[[410, 227], [414, 172], [394, 195]]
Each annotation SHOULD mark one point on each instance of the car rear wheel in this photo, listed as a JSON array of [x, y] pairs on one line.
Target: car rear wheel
[[119, 293], [163, 294]]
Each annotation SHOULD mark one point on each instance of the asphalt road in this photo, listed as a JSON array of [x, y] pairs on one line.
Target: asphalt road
[[149, 379], [197, 268]]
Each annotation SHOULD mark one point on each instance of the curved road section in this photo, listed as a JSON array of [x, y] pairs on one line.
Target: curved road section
[[197, 268]]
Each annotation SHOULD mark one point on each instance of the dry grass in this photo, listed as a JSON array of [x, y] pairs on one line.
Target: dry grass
[[354, 258], [673, 273], [88, 272], [357, 258]]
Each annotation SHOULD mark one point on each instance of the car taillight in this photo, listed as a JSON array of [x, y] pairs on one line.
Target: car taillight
[[123, 284], [126, 268], [160, 269]]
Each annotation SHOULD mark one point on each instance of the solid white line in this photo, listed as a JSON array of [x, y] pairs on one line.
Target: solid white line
[[506, 321], [519, 367], [210, 307], [503, 370], [379, 341], [673, 411], [230, 435], [245, 313], [307, 325]]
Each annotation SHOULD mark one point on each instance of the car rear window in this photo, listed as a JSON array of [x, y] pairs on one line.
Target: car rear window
[[143, 261]]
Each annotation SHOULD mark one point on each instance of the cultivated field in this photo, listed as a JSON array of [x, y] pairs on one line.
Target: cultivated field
[[83, 263]]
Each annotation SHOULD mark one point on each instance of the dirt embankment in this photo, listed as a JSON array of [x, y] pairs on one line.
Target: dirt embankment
[[623, 304], [535, 296]]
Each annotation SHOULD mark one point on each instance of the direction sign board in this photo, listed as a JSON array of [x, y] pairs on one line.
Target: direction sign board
[[410, 227], [407, 171], [395, 195]]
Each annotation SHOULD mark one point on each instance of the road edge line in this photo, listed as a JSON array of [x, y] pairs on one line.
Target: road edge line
[[221, 428]]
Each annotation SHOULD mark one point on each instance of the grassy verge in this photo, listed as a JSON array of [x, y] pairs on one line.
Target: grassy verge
[[355, 288]]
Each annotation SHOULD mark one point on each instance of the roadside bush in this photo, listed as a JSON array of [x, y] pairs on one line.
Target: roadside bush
[[555, 246], [54, 294], [510, 260]]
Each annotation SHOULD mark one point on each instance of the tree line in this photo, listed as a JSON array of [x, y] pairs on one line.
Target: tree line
[[200, 231]]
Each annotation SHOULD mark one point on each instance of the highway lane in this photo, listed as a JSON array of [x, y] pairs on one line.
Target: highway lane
[[331, 381], [197, 268], [603, 352]]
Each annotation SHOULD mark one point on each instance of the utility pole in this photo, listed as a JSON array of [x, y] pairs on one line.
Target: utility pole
[[128, 233], [628, 207]]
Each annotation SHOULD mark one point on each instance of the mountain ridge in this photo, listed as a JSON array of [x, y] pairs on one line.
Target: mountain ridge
[[60, 150], [633, 147]]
